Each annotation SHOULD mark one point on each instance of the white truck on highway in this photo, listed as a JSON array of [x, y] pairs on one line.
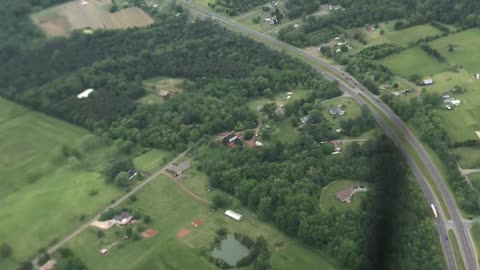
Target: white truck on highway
[[434, 210]]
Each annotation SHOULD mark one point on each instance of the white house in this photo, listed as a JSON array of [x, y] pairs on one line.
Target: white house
[[85, 93], [233, 215]]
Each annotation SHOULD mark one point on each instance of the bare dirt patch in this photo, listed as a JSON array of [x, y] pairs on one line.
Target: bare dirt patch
[[103, 225], [197, 222], [60, 20], [182, 233], [149, 233]]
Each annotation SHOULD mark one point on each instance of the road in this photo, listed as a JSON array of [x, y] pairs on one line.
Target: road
[[399, 133], [117, 202]]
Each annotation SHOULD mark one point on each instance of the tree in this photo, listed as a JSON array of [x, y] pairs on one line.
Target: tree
[[220, 200], [100, 234], [5, 250], [147, 219], [121, 179]]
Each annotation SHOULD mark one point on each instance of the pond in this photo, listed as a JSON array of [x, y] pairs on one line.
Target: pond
[[230, 250]]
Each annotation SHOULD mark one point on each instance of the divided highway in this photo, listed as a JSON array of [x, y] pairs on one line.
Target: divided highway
[[393, 126]]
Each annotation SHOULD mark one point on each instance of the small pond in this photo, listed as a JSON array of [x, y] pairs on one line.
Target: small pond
[[230, 250]]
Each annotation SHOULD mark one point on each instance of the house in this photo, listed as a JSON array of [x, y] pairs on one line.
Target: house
[[304, 119], [338, 50], [85, 93], [455, 102], [123, 218], [259, 144], [339, 110], [336, 7], [229, 138], [233, 215], [337, 146], [132, 174], [427, 82], [104, 251], [178, 169]]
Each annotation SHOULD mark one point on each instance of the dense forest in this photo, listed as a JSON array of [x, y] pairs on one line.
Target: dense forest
[[280, 182]]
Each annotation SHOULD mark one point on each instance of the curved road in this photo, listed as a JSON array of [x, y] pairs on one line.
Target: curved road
[[400, 134]]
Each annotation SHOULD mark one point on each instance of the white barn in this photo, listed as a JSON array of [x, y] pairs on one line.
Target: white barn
[[233, 215], [85, 93]]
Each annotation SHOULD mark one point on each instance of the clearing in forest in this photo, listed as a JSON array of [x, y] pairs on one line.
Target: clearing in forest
[[329, 200], [62, 19]]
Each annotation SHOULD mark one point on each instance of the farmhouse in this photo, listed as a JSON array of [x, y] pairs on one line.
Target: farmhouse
[[178, 169], [234, 215], [85, 93], [123, 218], [339, 110], [347, 194]]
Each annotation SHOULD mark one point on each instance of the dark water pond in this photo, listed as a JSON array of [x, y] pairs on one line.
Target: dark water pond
[[230, 250]]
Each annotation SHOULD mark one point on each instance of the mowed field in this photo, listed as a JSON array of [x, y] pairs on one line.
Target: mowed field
[[413, 61], [468, 157], [328, 199], [466, 50], [173, 210], [60, 20], [42, 198]]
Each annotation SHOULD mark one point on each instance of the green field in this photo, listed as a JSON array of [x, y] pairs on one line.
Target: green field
[[41, 194], [408, 62], [328, 199], [172, 210], [284, 131], [351, 107], [411, 34], [476, 238], [152, 160], [468, 157], [475, 180], [466, 52]]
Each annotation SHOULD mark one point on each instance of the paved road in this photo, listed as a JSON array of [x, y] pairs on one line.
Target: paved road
[[400, 135], [120, 200]]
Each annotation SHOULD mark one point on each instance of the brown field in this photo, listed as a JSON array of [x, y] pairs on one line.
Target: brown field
[[60, 20]]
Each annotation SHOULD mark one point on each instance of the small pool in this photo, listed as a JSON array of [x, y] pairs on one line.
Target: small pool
[[230, 250]]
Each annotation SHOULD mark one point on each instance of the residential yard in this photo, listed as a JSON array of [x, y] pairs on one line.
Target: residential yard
[[468, 157], [152, 160], [41, 192], [466, 52], [283, 131], [351, 107], [408, 62], [172, 210], [328, 199]]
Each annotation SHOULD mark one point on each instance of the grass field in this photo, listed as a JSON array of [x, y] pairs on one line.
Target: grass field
[[476, 238], [39, 194], [328, 199], [411, 34], [61, 19], [466, 51], [468, 157], [408, 62], [172, 210], [475, 180], [152, 160], [352, 108]]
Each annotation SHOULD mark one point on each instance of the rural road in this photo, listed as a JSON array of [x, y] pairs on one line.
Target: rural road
[[394, 127], [117, 202]]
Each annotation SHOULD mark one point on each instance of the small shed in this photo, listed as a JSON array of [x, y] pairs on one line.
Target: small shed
[[104, 251], [234, 215], [428, 82]]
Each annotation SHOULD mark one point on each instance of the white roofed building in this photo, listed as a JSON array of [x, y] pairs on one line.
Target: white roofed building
[[233, 215]]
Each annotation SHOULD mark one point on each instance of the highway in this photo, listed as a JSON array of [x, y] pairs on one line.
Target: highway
[[400, 134]]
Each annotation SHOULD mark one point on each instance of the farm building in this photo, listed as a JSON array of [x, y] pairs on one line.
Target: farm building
[[450, 101], [85, 93], [132, 174], [229, 138], [178, 169], [104, 251], [233, 215], [427, 82], [304, 119], [123, 218]]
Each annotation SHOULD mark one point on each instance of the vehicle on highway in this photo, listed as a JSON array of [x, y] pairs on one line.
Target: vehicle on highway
[[434, 210]]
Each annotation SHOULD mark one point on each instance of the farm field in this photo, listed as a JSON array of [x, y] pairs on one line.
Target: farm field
[[411, 34], [162, 199], [152, 160], [407, 62], [465, 46], [62, 19], [351, 107], [468, 157], [328, 199], [40, 191]]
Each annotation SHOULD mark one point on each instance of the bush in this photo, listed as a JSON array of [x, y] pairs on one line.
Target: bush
[[5, 250], [248, 135], [220, 200]]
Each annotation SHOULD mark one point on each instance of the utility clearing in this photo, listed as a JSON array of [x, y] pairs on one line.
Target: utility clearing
[[62, 19]]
